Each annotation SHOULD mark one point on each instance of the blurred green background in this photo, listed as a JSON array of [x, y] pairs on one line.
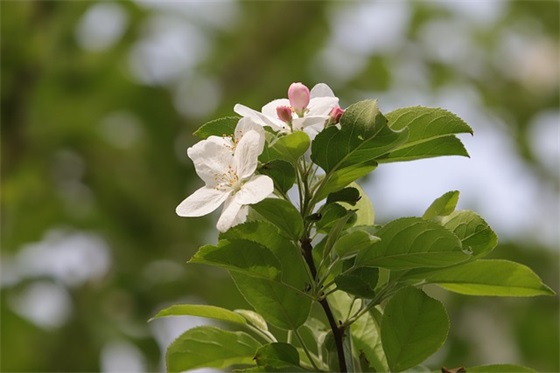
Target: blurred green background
[[99, 102]]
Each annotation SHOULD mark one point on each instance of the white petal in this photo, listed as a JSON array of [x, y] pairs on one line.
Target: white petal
[[229, 215], [245, 111], [322, 105], [264, 120], [201, 202], [241, 216], [300, 124], [211, 157], [247, 153], [321, 90], [270, 108], [260, 118], [247, 124], [254, 190], [310, 125]]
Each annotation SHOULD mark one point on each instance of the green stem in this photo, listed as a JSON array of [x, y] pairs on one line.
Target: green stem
[[267, 336], [302, 343], [281, 194], [382, 295]]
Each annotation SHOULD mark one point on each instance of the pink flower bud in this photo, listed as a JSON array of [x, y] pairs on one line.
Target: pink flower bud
[[299, 97], [336, 113], [284, 113]]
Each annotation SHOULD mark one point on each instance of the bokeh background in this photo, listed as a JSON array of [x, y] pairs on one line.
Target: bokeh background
[[99, 101]]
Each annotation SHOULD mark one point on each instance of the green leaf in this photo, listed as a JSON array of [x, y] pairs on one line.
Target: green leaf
[[281, 172], [281, 306], [500, 368], [490, 277], [414, 326], [289, 147], [335, 229], [211, 312], [363, 136], [207, 346], [442, 206], [243, 256], [367, 340], [331, 215], [420, 369], [353, 242], [359, 282], [338, 179], [277, 355], [281, 303], [283, 215], [329, 352], [348, 350], [349, 195], [340, 303], [448, 145], [253, 318], [317, 328], [364, 209], [269, 369], [431, 133], [413, 242], [218, 127], [475, 234], [294, 270]]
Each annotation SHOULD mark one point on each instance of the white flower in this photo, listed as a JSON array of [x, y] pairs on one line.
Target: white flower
[[229, 177], [243, 126], [311, 118]]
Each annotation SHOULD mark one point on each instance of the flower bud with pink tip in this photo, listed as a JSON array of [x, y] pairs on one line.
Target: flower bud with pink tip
[[336, 114], [284, 113], [299, 97]]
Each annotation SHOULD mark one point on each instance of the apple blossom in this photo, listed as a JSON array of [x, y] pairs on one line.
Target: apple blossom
[[336, 114], [229, 177], [243, 126], [284, 113], [309, 117], [299, 97]]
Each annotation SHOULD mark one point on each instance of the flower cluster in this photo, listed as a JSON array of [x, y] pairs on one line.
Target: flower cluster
[[303, 110], [228, 164]]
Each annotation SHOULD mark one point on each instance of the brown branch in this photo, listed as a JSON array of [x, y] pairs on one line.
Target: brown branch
[[337, 330]]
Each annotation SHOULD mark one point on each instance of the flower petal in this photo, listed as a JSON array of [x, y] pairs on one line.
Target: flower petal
[[247, 153], [310, 125], [254, 190], [241, 216], [270, 108], [229, 216], [211, 157], [203, 201], [322, 105], [247, 124], [300, 124], [260, 118], [321, 90]]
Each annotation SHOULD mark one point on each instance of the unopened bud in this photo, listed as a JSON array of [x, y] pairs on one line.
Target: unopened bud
[[284, 113], [336, 113], [299, 97]]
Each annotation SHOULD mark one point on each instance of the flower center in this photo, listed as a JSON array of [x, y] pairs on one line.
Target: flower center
[[227, 181], [230, 142]]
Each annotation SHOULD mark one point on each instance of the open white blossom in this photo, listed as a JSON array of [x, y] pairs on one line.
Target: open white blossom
[[243, 126], [295, 113], [229, 175]]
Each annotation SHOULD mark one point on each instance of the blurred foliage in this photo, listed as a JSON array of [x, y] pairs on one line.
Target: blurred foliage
[[89, 144]]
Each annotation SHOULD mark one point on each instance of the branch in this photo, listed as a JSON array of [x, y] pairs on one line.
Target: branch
[[337, 330]]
